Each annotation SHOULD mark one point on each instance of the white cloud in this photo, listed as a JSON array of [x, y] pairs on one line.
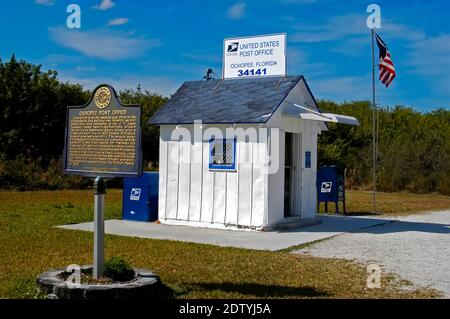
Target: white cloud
[[85, 69], [401, 31], [54, 61], [430, 56], [353, 47], [298, 62], [358, 88], [429, 59], [287, 2], [333, 29], [345, 88], [158, 84], [104, 5], [203, 57], [103, 44], [296, 59], [352, 25], [237, 11], [118, 21], [45, 2]]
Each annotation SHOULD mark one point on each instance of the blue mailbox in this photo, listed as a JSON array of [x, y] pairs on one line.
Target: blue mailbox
[[330, 186], [140, 197]]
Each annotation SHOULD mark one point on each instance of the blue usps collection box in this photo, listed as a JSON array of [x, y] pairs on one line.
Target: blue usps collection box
[[140, 197], [330, 186]]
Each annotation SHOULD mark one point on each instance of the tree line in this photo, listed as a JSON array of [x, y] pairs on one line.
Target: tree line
[[413, 153], [33, 105], [413, 149]]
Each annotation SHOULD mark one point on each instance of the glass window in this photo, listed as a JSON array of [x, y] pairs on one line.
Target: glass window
[[222, 154]]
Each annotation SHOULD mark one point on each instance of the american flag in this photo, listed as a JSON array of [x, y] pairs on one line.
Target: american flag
[[387, 70]]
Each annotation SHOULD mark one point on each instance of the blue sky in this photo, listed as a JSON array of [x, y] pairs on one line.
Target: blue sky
[[161, 44]]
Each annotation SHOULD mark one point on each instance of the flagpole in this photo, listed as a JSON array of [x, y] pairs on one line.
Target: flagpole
[[374, 127]]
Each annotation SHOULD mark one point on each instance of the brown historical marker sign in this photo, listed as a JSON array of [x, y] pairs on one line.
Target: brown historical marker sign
[[103, 138]]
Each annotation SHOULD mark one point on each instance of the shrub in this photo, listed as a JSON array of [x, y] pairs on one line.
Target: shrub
[[28, 174], [118, 269]]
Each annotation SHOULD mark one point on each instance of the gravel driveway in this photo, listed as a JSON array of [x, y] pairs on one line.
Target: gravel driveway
[[415, 247]]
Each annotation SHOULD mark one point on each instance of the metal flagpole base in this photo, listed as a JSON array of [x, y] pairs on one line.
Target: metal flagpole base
[[99, 227]]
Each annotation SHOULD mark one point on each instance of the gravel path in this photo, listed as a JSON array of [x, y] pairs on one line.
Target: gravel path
[[415, 247]]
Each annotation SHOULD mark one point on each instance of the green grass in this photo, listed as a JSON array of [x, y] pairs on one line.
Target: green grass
[[360, 203], [30, 245]]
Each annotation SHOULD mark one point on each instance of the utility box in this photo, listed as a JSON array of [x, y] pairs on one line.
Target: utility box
[[330, 187], [140, 197]]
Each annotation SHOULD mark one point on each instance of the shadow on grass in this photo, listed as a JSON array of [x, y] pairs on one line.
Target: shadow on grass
[[362, 213], [264, 291]]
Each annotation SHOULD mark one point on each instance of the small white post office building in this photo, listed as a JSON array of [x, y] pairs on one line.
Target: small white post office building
[[240, 153]]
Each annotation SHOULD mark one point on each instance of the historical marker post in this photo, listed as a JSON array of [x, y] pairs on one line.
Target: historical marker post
[[99, 226], [103, 140]]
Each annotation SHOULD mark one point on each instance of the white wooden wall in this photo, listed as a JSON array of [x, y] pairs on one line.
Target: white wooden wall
[[305, 136], [191, 194], [309, 175]]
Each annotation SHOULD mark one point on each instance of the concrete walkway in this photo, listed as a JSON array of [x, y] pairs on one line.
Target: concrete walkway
[[331, 226]]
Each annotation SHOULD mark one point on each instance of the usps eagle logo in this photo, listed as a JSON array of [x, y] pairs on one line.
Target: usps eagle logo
[[135, 194], [233, 47], [326, 187]]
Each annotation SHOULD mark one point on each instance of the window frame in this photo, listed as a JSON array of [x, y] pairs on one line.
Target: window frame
[[222, 167]]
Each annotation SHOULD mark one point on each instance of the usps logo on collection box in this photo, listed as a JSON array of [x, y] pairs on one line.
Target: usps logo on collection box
[[326, 187], [135, 194]]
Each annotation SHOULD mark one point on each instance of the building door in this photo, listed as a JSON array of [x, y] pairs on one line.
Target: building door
[[292, 175]]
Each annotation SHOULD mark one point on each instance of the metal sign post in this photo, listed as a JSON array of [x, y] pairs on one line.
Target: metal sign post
[[99, 227]]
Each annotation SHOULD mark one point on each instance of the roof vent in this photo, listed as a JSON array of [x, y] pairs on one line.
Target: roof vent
[[210, 75]]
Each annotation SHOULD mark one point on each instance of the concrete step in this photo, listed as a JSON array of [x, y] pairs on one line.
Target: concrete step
[[296, 222]]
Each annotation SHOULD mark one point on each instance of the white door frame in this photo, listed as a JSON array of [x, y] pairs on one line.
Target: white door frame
[[296, 178]]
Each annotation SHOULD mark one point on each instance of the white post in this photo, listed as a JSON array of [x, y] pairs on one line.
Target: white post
[[99, 227]]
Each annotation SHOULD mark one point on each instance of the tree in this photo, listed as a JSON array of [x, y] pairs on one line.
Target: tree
[[414, 147], [33, 107], [151, 102]]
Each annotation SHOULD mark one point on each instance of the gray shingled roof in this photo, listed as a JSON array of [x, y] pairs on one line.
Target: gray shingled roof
[[234, 101]]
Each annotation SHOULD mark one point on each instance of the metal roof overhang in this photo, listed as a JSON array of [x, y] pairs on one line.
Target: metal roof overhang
[[298, 111]]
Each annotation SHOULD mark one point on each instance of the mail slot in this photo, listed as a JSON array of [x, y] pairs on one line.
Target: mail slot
[[140, 197], [331, 186]]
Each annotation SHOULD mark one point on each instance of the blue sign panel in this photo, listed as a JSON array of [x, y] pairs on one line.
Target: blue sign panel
[[307, 159]]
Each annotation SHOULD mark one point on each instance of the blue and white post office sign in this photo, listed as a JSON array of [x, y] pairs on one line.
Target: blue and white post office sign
[[308, 160], [263, 55]]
